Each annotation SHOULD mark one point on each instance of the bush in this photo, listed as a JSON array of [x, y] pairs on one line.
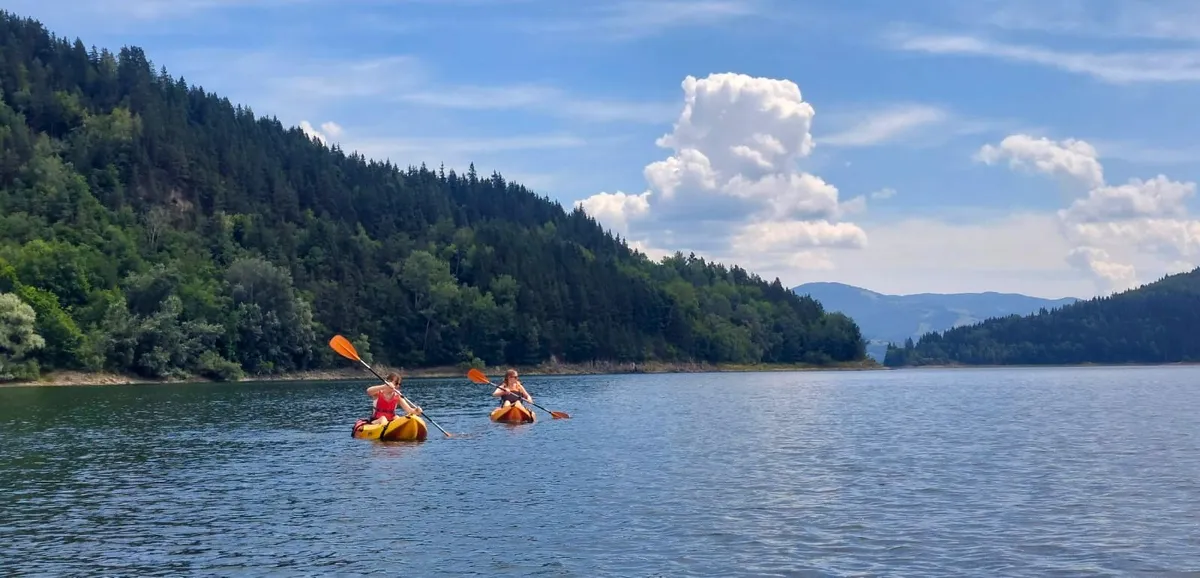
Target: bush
[[213, 366]]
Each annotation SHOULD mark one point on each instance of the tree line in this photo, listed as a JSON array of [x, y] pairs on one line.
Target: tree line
[[148, 226], [1155, 323]]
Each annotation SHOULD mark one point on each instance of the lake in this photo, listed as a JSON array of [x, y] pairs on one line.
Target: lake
[[973, 472]]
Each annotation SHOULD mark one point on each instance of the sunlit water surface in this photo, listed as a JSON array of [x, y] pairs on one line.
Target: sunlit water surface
[[1024, 472]]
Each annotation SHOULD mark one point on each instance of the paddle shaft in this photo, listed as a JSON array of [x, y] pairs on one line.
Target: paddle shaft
[[372, 370]]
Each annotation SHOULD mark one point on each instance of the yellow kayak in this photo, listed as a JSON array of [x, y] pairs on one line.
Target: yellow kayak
[[405, 428], [515, 413]]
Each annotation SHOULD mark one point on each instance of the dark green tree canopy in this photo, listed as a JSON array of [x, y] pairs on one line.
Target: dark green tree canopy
[[1156, 323], [158, 228]]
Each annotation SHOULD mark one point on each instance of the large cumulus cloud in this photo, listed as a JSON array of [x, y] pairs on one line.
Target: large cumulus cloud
[[731, 188], [1111, 226]]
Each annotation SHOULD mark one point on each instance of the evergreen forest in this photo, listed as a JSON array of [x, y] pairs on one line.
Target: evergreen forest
[[1155, 323], [152, 228]]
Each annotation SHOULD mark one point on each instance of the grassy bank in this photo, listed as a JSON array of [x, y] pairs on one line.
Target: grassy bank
[[360, 373]]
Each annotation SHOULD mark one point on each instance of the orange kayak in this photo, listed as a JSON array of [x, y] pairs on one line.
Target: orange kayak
[[406, 428], [515, 413]]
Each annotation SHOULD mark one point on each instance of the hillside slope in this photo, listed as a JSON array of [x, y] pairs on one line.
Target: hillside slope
[[894, 318], [158, 229], [1155, 323]]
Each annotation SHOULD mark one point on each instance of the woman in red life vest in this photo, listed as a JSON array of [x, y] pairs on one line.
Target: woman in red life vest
[[388, 398]]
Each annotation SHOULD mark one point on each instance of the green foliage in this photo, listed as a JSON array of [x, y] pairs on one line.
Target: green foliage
[[158, 229], [272, 326], [160, 344], [1155, 323], [17, 339], [362, 344]]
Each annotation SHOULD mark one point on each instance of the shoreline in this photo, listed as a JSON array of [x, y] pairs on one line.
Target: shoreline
[[78, 378], [548, 369], [1050, 365]]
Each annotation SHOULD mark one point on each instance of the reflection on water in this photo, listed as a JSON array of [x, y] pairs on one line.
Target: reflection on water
[[932, 473]]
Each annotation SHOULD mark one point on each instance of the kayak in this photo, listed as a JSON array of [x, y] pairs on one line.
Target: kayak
[[403, 428], [516, 413]]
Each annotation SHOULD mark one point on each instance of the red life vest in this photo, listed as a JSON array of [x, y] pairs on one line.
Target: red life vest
[[385, 407]]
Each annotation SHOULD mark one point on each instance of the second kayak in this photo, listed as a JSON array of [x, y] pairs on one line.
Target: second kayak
[[513, 414], [405, 428]]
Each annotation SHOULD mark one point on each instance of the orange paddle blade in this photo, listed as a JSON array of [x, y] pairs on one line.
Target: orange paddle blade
[[477, 376], [343, 347], [560, 415]]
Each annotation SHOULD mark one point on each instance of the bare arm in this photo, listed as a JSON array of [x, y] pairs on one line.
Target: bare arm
[[409, 408], [523, 392], [375, 390]]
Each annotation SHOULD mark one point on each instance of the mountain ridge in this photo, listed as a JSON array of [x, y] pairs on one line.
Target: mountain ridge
[[1151, 324], [885, 318]]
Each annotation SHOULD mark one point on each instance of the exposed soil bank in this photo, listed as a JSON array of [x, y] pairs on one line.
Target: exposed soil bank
[[496, 373]]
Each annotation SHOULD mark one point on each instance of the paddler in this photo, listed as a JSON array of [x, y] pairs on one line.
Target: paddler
[[516, 392], [388, 398]]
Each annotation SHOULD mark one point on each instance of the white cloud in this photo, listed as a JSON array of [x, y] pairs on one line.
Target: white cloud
[[159, 10], [1113, 225], [287, 85], [1011, 252], [853, 206], [1072, 158], [1022, 252], [297, 87], [636, 19], [886, 125], [789, 236], [1144, 154], [616, 209], [1175, 267], [1109, 274], [329, 131], [538, 98], [1135, 19], [913, 125], [1155, 198], [454, 153], [1173, 65], [732, 177], [1167, 238], [433, 149], [884, 193], [654, 253], [455, 149]]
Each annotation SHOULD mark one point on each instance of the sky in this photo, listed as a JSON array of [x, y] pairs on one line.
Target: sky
[[1046, 148]]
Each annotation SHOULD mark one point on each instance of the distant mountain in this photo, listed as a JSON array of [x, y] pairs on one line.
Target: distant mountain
[[894, 318], [1155, 323]]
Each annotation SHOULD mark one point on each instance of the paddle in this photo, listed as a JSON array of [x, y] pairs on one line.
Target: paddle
[[344, 348], [478, 377]]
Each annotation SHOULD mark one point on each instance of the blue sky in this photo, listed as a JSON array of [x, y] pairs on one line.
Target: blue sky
[[905, 147]]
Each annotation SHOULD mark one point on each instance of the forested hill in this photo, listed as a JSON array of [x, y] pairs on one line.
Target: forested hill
[[894, 318], [148, 226], [1155, 323]]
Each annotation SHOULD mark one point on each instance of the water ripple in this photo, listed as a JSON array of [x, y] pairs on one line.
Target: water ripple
[[1039, 472]]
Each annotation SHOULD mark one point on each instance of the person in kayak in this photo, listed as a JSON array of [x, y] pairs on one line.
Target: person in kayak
[[388, 398], [512, 384]]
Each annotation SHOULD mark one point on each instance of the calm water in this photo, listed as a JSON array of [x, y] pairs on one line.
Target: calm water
[[1038, 472]]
